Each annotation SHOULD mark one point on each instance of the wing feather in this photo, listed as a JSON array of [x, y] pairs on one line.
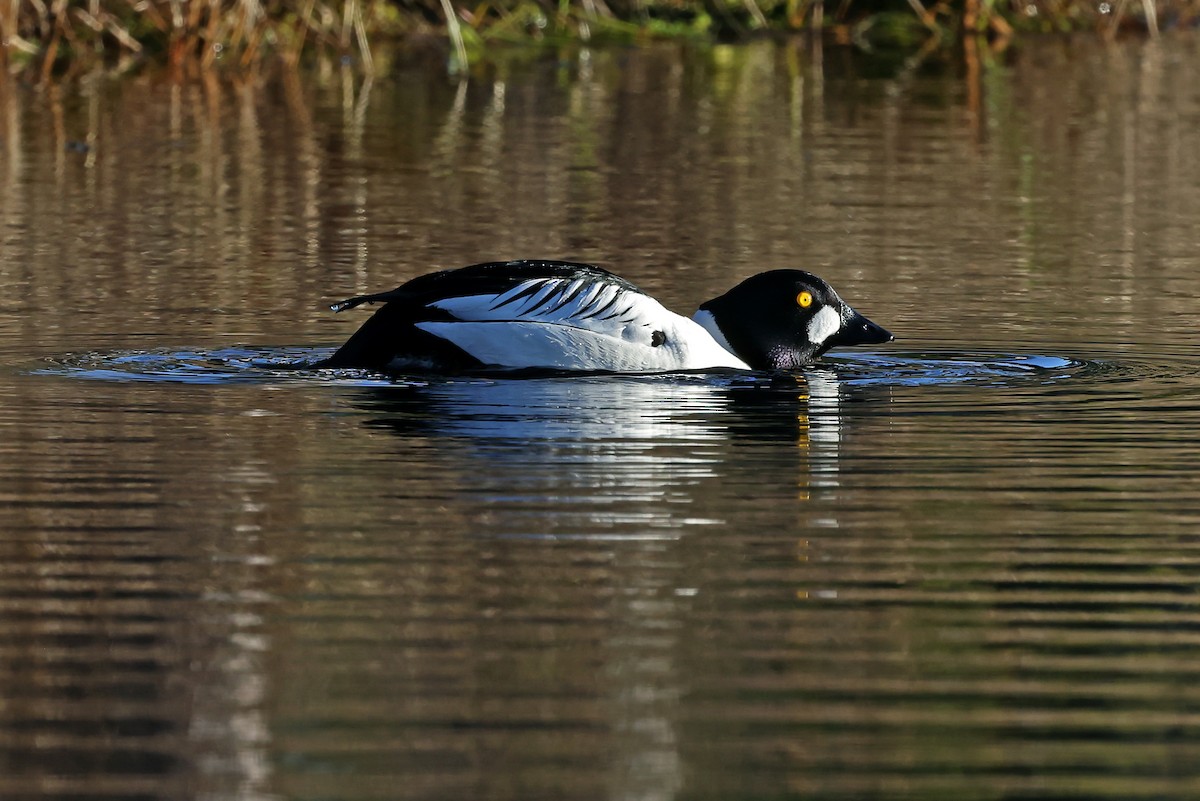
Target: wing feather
[[609, 296], [560, 301], [522, 292]]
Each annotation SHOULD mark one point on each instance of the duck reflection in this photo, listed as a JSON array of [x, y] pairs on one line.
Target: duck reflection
[[621, 467], [629, 456]]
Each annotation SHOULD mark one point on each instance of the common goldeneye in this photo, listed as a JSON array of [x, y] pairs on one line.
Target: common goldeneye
[[566, 316]]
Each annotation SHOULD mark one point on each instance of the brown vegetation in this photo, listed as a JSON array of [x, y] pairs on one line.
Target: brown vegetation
[[45, 37]]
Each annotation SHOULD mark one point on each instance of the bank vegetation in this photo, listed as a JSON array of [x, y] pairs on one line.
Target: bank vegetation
[[44, 38]]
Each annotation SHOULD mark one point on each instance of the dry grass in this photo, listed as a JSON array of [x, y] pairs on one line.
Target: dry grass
[[49, 37]]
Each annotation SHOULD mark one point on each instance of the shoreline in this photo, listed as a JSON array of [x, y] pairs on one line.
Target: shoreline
[[192, 38]]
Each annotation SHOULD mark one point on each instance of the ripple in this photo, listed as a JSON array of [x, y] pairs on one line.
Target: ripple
[[956, 367], [236, 365]]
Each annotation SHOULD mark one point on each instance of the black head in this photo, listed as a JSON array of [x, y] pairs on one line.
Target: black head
[[784, 319]]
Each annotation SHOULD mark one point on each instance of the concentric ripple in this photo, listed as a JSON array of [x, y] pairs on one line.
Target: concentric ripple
[[223, 366], [272, 365], [956, 367]]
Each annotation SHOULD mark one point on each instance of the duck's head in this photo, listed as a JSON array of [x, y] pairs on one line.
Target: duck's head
[[784, 319]]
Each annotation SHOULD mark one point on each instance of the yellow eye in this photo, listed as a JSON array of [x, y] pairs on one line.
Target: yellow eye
[[805, 299]]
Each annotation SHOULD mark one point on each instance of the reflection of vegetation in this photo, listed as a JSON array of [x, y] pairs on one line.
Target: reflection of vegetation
[[48, 35]]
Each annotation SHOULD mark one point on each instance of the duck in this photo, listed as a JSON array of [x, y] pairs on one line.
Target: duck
[[535, 314]]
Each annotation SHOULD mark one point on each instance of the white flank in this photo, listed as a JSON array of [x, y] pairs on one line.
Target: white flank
[[601, 327], [823, 325]]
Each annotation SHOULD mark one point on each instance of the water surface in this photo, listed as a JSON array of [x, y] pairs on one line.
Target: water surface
[[960, 566]]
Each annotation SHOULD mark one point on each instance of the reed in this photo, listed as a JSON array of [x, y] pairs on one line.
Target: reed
[[50, 37]]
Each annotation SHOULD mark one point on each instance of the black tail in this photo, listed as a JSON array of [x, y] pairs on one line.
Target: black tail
[[390, 334], [358, 300]]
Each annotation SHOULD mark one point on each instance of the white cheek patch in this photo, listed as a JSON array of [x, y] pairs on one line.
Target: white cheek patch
[[823, 325]]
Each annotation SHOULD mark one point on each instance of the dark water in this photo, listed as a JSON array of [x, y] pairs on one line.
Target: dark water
[[965, 565]]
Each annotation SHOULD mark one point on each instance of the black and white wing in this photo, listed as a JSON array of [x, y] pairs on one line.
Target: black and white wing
[[581, 322], [528, 314]]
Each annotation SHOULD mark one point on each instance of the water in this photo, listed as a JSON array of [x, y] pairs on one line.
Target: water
[[963, 565]]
